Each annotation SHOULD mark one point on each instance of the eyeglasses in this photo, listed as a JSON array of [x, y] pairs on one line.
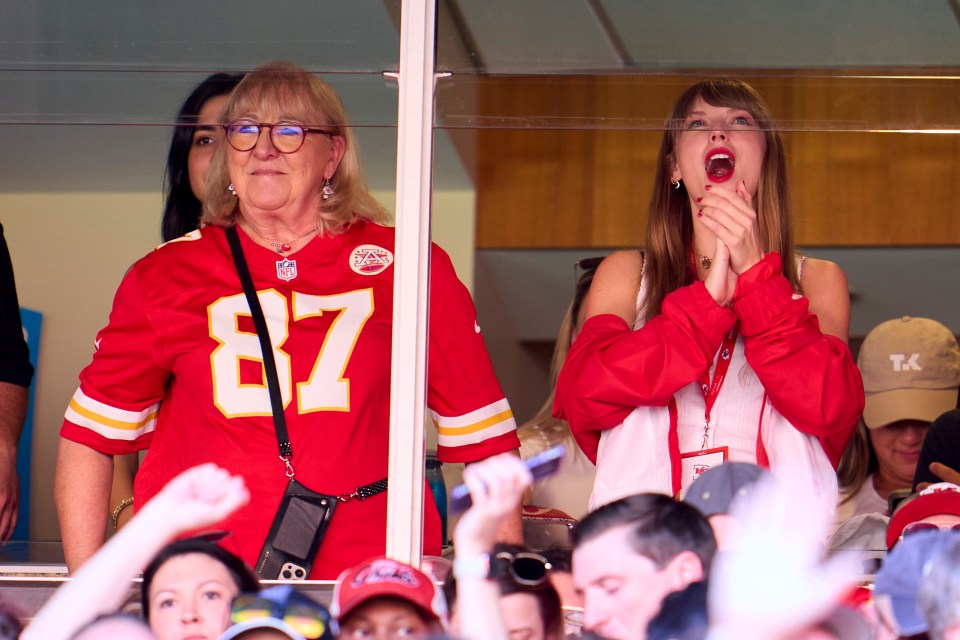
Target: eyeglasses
[[526, 568], [916, 527], [308, 620], [286, 137]]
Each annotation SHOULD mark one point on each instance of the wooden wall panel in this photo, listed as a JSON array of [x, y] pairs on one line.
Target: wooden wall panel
[[589, 185]]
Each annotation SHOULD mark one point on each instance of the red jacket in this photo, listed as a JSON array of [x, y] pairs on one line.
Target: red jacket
[[809, 377]]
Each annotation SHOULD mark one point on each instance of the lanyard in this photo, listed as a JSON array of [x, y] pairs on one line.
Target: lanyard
[[712, 389]]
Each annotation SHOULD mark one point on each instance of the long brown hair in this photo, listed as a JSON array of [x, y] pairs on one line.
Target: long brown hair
[[858, 461], [670, 226]]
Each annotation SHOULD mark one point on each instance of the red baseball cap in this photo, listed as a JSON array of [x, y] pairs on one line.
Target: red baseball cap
[[384, 577], [942, 498]]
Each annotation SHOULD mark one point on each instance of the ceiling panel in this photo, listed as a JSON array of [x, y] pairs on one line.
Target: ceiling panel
[[333, 35], [537, 36], [813, 33], [116, 71]]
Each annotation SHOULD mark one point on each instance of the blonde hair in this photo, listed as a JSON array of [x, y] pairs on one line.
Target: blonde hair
[[554, 430], [290, 89], [670, 226]]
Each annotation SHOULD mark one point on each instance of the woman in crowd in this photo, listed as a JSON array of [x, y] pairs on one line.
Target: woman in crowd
[[197, 498], [717, 342], [569, 489], [188, 587], [195, 138], [911, 374], [180, 368]]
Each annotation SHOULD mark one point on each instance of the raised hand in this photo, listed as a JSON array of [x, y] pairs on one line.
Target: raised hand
[[496, 488], [731, 217], [721, 281], [783, 522], [199, 497]]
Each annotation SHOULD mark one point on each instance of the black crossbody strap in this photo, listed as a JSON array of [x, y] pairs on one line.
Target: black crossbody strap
[[269, 363]]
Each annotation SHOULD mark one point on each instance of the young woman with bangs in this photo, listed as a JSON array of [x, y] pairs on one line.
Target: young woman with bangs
[[717, 341]]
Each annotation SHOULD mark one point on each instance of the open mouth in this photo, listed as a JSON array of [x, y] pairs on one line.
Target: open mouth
[[719, 165]]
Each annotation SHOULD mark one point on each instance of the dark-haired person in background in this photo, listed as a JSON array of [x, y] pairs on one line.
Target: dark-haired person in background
[[940, 452], [188, 586], [16, 372], [195, 138], [528, 602]]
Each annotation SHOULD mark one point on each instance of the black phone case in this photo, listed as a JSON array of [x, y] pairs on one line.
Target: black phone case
[[296, 533]]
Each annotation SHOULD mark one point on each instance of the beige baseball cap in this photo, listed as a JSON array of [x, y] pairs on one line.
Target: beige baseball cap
[[911, 371]]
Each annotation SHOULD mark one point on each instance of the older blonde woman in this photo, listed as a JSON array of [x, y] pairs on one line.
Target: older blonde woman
[[179, 368]]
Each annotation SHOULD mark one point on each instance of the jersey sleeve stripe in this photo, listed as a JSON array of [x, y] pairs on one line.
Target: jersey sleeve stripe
[[477, 426], [477, 437], [108, 421], [472, 418]]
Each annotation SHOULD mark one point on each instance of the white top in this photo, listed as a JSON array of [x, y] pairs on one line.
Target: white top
[[867, 500], [633, 457], [569, 488]]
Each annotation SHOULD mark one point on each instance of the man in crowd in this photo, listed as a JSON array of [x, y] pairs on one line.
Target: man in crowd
[[628, 555]]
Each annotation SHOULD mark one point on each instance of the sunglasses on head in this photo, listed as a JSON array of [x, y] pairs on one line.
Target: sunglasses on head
[[526, 568], [916, 527], [309, 621]]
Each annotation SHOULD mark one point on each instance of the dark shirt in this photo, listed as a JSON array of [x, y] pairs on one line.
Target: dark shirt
[[941, 444], [15, 366]]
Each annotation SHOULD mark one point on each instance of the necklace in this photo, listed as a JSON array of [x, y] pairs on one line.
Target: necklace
[[278, 246]]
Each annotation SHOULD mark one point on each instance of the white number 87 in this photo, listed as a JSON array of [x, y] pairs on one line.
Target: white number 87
[[325, 390]]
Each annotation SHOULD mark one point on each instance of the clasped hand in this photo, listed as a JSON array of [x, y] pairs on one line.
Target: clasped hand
[[730, 215]]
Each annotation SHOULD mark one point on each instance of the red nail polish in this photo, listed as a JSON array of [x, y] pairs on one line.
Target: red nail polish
[[707, 187], [698, 200], [700, 213]]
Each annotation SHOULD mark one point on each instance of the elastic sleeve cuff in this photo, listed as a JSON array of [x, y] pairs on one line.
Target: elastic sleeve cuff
[[757, 275], [695, 302], [764, 297]]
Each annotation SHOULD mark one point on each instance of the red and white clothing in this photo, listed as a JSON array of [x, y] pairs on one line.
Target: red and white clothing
[[178, 370], [633, 395]]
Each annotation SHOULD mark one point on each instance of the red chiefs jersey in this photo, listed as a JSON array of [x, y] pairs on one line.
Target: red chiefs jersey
[[178, 370]]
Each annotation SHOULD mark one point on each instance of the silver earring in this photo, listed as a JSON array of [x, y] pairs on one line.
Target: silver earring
[[675, 183], [327, 189], [232, 190]]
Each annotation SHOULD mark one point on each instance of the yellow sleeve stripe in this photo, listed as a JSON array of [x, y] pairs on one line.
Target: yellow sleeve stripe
[[503, 416], [487, 422], [109, 422]]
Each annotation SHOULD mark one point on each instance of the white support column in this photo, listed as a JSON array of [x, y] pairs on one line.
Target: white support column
[[407, 382]]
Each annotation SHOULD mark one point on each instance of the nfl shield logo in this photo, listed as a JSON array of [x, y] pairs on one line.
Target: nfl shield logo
[[287, 269]]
